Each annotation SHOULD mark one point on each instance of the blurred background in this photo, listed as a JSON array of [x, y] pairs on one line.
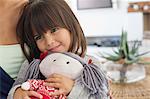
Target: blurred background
[[103, 21]]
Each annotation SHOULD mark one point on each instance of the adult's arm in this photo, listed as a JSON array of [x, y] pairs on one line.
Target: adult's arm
[[9, 15]]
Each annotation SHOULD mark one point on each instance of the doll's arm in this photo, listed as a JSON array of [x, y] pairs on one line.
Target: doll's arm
[[38, 85], [32, 84]]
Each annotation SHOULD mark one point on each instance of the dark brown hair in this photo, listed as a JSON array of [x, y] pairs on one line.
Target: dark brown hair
[[43, 15]]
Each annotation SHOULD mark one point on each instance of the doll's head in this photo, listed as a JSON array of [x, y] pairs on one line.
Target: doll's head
[[62, 64]]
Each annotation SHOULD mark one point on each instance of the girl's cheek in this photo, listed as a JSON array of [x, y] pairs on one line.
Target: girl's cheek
[[40, 47]]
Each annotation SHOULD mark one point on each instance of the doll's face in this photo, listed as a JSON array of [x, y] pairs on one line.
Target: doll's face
[[61, 64]]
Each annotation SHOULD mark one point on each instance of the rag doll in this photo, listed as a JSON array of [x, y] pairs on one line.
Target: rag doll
[[67, 64]]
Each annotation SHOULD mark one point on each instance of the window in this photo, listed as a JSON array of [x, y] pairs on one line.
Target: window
[[93, 4]]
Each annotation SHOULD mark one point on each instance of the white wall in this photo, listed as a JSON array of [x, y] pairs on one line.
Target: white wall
[[110, 21]]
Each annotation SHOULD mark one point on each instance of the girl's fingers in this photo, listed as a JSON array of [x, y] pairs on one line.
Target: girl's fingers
[[55, 75], [57, 93], [59, 81], [52, 80], [26, 97], [55, 85], [35, 94]]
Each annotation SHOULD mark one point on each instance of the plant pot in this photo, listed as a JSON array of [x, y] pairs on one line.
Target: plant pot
[[121, 73]]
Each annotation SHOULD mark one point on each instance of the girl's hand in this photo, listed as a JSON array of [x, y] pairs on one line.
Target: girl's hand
[[60, 82], [21, 94]]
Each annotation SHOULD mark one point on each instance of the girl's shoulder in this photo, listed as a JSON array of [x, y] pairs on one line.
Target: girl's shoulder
[[25, 65]]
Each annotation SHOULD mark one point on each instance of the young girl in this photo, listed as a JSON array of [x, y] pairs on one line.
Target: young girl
[[50, 25]]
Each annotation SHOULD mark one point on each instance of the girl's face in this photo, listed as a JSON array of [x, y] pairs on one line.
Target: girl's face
[[54, 40]]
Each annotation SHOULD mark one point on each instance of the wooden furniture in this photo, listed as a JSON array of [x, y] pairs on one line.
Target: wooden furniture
[[138, 90], [139, 7], [143, 7], [146, 18]]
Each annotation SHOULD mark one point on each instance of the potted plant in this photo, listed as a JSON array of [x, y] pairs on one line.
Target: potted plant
[[123, 65]]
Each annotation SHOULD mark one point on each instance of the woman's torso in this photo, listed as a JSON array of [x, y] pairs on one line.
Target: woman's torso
[[11, 58]]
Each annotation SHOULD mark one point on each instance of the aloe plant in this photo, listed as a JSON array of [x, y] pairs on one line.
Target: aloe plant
[[125, 55], [129, 54]]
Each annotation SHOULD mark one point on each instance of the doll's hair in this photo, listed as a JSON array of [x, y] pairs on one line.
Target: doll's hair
[[42, 15]]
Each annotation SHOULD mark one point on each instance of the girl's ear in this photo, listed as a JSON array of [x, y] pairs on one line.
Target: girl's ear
[[33, 70]]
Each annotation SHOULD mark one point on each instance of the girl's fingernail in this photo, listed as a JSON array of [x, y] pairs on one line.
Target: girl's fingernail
[[26, 97], [44, 83], [41, 97]]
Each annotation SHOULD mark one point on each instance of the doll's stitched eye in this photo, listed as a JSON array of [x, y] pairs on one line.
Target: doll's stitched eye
[[68, 62], [54, 60]]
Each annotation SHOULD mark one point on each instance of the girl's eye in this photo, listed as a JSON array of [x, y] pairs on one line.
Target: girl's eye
[[37, 37], [54, 29]]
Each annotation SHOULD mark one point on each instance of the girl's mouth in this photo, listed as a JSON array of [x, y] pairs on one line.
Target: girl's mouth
[[55, 49]]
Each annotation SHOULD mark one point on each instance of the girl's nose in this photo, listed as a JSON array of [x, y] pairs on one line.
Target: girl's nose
[[49, 39]]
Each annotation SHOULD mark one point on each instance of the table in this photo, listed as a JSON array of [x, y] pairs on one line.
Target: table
[[138, 90]]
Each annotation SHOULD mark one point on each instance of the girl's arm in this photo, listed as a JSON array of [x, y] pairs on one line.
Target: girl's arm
[[21, 94], [16, 92], [19, 80]]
